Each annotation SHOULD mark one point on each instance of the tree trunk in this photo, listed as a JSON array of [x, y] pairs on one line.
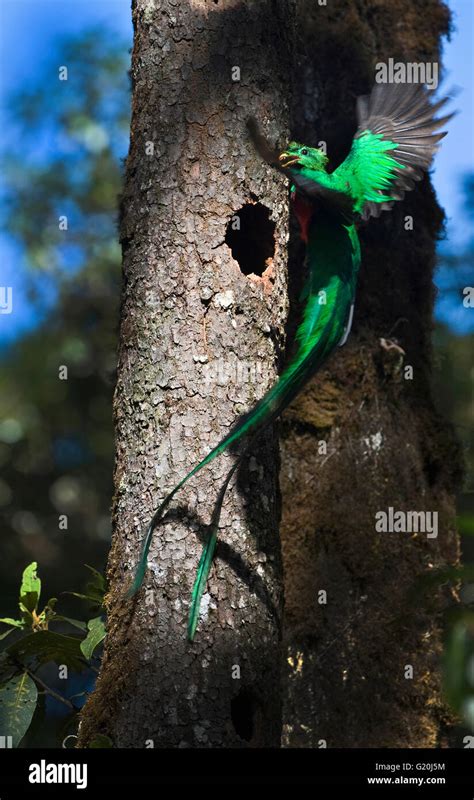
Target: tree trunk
[[365, 436], [200, 341]]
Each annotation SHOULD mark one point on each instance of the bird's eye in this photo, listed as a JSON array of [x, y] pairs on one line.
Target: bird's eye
[[304, 152]]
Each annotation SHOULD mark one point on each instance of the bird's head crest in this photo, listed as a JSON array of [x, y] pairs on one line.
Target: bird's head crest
[[300, 155]]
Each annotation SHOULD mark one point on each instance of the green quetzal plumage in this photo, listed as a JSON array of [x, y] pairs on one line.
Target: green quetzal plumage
[[395, 141]]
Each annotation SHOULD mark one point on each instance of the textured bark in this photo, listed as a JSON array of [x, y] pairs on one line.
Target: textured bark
[[188, 308], [386, 445], [191, 324]]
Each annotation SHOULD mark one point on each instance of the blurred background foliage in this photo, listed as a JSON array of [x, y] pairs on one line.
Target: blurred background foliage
[[453, 389], [453, 374], [56, 436]]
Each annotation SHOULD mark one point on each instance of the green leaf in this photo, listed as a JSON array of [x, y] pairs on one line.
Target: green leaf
[[48, 610], [13, 623], [48, 613], [30, 588], [18, 698], [97, 577], [76, 623], [91, 598], [96, 634], [95, 589], [100, 740], [45, 646]]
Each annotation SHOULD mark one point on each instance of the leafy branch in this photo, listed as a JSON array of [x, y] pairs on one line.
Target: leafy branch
[[36, 644]]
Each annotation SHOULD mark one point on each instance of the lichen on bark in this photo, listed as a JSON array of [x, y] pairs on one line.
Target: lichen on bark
[[190, 317]]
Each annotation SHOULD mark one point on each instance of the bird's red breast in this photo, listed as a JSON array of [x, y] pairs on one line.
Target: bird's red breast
[[304, 211]]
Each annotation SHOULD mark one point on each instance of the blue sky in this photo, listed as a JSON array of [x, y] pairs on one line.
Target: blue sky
[[29, 29], [456, 155]]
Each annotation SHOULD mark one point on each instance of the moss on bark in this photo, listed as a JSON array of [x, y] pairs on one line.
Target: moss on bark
[[347, 658]]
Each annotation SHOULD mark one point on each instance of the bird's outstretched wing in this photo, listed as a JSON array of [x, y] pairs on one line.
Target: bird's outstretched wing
[[395, 141]]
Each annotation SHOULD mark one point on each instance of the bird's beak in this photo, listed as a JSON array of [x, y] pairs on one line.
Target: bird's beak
[[288, 159]]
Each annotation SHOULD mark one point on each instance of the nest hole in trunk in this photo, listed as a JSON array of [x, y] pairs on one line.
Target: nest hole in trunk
[[250, 235]]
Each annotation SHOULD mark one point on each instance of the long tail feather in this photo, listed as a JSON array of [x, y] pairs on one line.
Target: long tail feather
[[208, 554], [264, 413], [333, 258], [200, 583]]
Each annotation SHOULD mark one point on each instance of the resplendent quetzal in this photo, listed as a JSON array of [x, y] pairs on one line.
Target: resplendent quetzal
[[395, 141]]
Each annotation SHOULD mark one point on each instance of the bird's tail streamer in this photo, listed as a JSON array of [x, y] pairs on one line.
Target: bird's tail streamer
[[208, 554], [316, 337], [266, 410]]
